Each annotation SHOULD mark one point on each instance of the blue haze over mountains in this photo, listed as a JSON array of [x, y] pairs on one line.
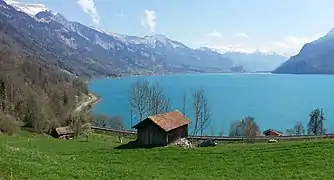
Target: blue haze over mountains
[[92, 52]]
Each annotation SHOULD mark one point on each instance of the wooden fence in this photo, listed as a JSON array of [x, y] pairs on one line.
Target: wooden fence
[[123, 133], [263, 138], [132, 134]]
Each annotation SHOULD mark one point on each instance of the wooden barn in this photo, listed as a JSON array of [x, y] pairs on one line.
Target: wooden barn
[[272, 132], [162, 129], [63, 132]]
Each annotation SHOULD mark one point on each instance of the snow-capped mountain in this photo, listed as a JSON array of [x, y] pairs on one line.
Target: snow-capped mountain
[[223, 50], [153, 41], [30, 9], [257, 61], [87, 51], [110, 33], [251, 60]]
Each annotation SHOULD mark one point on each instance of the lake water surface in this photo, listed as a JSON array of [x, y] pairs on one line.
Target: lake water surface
[[276, 101]]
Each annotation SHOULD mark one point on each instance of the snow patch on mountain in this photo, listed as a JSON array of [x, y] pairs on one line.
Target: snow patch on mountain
[[44, 20], [4, 6], [30, 9], [103, 44], [224, 50], [121, 37], [151, 41], [159, 39], [107, 32], [62, 20], [70, 42]]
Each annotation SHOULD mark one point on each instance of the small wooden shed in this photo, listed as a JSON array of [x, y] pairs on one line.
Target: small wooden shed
[[272, 132], [162, 129], [63, 132]]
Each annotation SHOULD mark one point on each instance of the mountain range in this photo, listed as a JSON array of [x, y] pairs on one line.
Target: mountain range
[[254, 61], [316, 57], [92, 52]]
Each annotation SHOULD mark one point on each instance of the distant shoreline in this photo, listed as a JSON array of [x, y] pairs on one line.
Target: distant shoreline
[[218, 73], [172, 74]]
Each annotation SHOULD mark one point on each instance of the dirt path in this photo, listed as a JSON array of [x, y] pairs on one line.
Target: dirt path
[[92, 99]]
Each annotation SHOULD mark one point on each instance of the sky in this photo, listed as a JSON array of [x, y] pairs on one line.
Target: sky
[[281, 26]]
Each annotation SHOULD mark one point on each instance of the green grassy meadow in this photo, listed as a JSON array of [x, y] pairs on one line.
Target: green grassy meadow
[[41, 157]]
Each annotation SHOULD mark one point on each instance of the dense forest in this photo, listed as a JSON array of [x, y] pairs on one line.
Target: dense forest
[[35, 94]]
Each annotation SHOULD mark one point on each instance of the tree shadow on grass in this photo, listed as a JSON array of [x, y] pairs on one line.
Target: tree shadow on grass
[[133, 145], [28, 129]]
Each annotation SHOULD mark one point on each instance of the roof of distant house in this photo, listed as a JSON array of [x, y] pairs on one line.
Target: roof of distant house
[[272, 130], [166, 121], [64, 130]]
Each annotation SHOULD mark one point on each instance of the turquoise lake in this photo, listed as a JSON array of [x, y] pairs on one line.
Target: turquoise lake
[[276, 101]]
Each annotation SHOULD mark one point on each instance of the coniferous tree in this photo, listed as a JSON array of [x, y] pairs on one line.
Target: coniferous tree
[[315, 125]]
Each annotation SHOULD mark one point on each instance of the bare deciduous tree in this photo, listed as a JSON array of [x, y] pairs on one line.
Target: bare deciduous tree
[[35, 114], [235, 129], [100, 121], [158, 102], [290, 132], [116, 122], [299, 129], [184, 103], [246, 127], [76, 121], [147, 99], [8, 124], [87, 130], [140, 98], [201, 110], [37, 96], [251, 128], [80, 123]]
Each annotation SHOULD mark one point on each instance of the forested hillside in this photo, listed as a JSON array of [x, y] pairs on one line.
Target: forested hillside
[[34, 93]]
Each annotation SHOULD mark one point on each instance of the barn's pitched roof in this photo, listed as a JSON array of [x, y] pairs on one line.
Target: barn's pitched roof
[[166, 121], [64, 130], [272, 130]]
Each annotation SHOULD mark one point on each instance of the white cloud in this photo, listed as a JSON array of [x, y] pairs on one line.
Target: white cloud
[[291, 45], [88, 6], [214, 34], [280, 44], [149, 20], [243, 35]]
